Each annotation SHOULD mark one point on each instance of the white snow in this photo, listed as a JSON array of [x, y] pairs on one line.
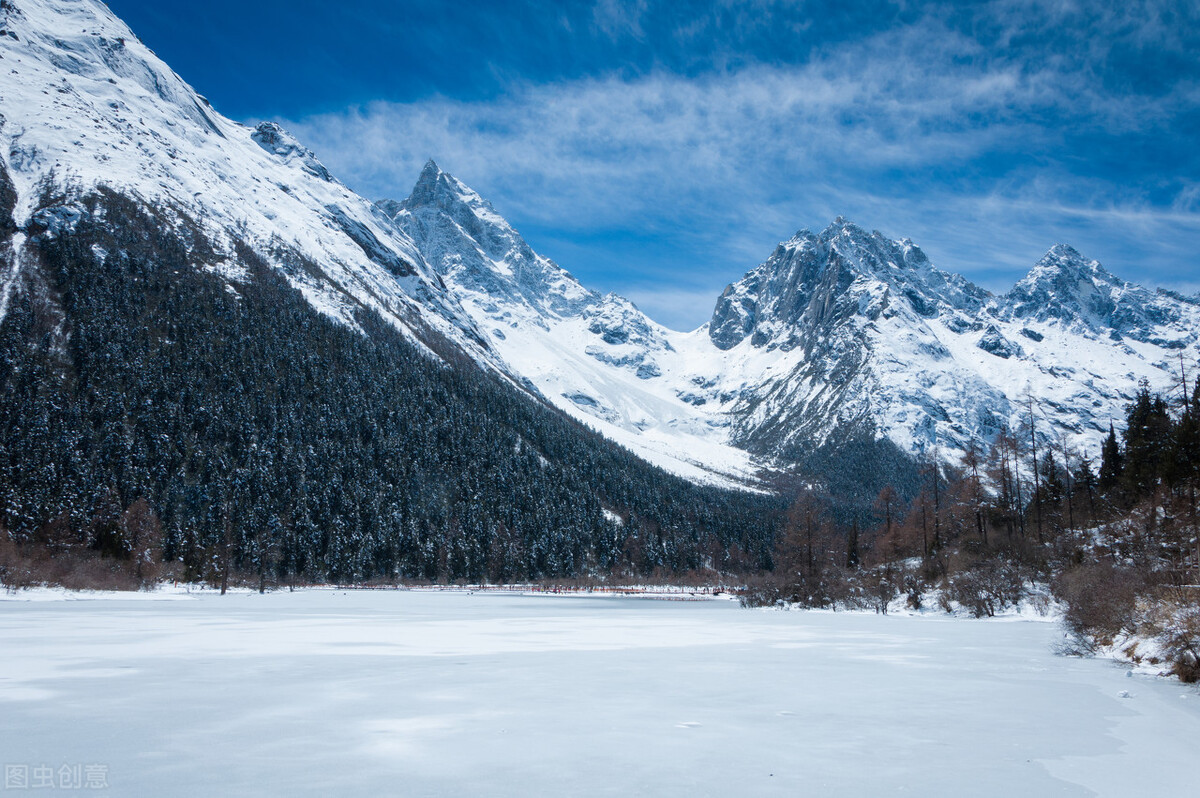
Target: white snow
[[327, 692]]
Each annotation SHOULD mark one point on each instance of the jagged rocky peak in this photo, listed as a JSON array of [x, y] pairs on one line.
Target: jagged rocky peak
[[441, 189], [814, 279], [468, 242], [440, 195], [277, 141], [845, 236], [438, 191], [1067, 287]]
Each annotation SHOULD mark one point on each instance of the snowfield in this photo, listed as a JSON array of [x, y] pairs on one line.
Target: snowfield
[[326, 692]]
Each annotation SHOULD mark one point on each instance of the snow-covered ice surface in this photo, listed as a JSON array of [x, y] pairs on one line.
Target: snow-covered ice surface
[[416, 693]]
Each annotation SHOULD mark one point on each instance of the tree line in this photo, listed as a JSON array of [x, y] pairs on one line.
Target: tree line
[[1115, 536]]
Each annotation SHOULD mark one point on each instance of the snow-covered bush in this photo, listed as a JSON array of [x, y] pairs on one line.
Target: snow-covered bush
[[1173, 621]]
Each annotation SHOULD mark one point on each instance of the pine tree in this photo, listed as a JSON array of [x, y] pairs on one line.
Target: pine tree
[[1111, 463], [1086, 479], [1147, 442]]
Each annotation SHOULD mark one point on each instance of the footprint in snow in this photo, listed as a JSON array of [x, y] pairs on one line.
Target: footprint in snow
[[687, 724]]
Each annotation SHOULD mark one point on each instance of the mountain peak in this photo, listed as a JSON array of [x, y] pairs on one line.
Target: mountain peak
[[812, 283], [841, 224], [431, 173], [440, 189], [1066, 286], [1063, 251], [1063, 264], [865, 252], [1063, 259], [472, 246]]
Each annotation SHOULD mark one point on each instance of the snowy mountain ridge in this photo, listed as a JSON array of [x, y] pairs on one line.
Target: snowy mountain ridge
[[838, 335]]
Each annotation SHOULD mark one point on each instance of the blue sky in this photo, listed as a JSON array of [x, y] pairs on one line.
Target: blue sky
[[662, 149]]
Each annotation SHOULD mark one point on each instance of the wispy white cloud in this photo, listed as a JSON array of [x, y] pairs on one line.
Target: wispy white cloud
[[592, 139], [984, 158]]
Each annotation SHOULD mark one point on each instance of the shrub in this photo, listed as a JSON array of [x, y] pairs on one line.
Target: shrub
[[1101, 598], [986, 587], [1174, 621]]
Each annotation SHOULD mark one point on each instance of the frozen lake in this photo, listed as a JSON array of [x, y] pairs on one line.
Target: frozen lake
[[326, 692]]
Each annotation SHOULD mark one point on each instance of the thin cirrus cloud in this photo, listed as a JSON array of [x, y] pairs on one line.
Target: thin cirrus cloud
[[984, 148]]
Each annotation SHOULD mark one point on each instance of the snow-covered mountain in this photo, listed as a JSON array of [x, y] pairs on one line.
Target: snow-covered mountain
[[837, 336], [86, 105], [201, 328]]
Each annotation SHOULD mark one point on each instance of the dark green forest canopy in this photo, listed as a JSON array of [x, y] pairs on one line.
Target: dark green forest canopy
[[256, 427]]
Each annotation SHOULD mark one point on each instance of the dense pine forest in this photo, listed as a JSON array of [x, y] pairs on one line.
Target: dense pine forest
[[158, 420]]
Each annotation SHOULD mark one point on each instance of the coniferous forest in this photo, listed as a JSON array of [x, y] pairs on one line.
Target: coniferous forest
[[154, 414]]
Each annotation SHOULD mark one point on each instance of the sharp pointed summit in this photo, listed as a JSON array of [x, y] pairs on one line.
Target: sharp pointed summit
[[468, 242], [427, 182], [1075, 292], [436, 187]]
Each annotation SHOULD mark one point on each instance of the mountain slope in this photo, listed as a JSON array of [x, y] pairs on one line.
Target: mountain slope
[[596, 357], [86, 104]]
